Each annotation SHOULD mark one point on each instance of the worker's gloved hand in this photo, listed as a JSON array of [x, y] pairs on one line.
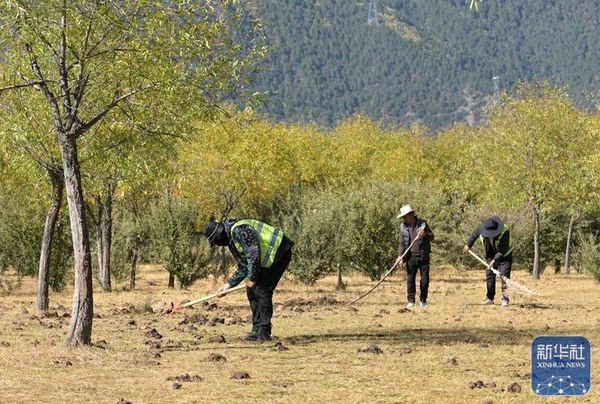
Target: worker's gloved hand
[[222, 289], [422, 232], [493, 264], [466, 248], [250, 284]]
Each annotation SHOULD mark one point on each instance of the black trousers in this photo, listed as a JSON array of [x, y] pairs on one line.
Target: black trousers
[[414, 264], [261, 296], [504, 267]]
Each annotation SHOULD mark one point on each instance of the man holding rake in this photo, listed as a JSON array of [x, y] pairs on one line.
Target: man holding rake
[[417, 259], [497, 242], [262, 253]]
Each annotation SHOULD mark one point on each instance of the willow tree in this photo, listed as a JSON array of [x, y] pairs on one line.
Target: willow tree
[[536, 143], [145, 63]]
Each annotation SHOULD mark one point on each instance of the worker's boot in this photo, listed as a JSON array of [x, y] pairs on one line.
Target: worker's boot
[[252, 335], [264, 333]]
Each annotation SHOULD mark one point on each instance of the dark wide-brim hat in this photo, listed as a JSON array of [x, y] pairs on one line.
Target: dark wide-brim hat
[[491, 227], [213, 230]]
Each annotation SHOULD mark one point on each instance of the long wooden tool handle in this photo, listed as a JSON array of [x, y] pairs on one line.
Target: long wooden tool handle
[[488, 266], [398, 260], [208, 297], [504, 278]]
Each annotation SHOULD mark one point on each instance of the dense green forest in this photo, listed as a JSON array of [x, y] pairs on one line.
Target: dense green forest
[[426, 60]]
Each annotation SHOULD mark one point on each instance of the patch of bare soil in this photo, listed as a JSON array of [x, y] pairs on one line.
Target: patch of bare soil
[[370, 349]]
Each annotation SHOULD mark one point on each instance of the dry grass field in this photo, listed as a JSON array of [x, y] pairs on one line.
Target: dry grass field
[[429, 354]]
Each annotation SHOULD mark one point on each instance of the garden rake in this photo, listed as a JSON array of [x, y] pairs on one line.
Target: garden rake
[[398, 261], [509, 282]]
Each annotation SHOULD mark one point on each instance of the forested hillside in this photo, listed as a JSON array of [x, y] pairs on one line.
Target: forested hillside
[[427, 60]]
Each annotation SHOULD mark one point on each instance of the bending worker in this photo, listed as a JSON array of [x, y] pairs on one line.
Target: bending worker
[[262, 253], [497, 241]]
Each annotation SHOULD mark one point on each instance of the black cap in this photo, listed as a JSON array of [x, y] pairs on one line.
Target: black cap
[[491, 227]]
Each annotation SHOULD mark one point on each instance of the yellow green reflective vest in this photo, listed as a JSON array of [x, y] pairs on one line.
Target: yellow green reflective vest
[[269, 239], [510, 242]]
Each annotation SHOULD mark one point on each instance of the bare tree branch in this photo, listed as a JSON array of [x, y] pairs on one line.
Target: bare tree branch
[[89, 124], [28, 84], [50, 97]]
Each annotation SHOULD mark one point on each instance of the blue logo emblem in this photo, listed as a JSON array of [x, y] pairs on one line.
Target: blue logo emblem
[[560, 366]]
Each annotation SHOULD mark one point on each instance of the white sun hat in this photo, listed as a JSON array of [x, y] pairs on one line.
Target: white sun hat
[[405, 210]]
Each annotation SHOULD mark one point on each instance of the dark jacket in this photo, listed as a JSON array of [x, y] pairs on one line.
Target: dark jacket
[[249, 261], [423, 243], [498, 249]]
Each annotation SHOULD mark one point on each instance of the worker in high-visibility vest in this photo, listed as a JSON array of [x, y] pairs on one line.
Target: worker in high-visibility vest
[[262, 253], [497, 242]]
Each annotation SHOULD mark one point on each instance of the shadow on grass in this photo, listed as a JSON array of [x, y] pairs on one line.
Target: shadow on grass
[[437, 336]]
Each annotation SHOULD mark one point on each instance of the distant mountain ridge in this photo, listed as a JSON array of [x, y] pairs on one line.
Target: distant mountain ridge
[[426, 60]]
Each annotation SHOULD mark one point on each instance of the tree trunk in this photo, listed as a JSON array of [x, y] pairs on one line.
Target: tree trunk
[[80, 328], [574, 218], [536, 243], [57, 180], [134, 258], [171, 281], [339, 285], [106, 235], [99, 239]]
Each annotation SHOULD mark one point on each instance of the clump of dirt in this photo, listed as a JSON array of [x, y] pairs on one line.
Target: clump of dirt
[[50, 314], [279, 347], [384, 312], [216, 320], [321, 300], [127, 309], [477, 384], [452, 361], [514, 388], [194, 319], [404, 310], [63, 362], [370, 349], [153, 355], [153, 334], [484, 345], [217, 339], [210, 306], [161, 307], [153, 344], [177, 386], [123, 401], [186, 378], [4, 344], [102, 344], [171, 345], [240, 375], [215, 357], [131, 322]]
